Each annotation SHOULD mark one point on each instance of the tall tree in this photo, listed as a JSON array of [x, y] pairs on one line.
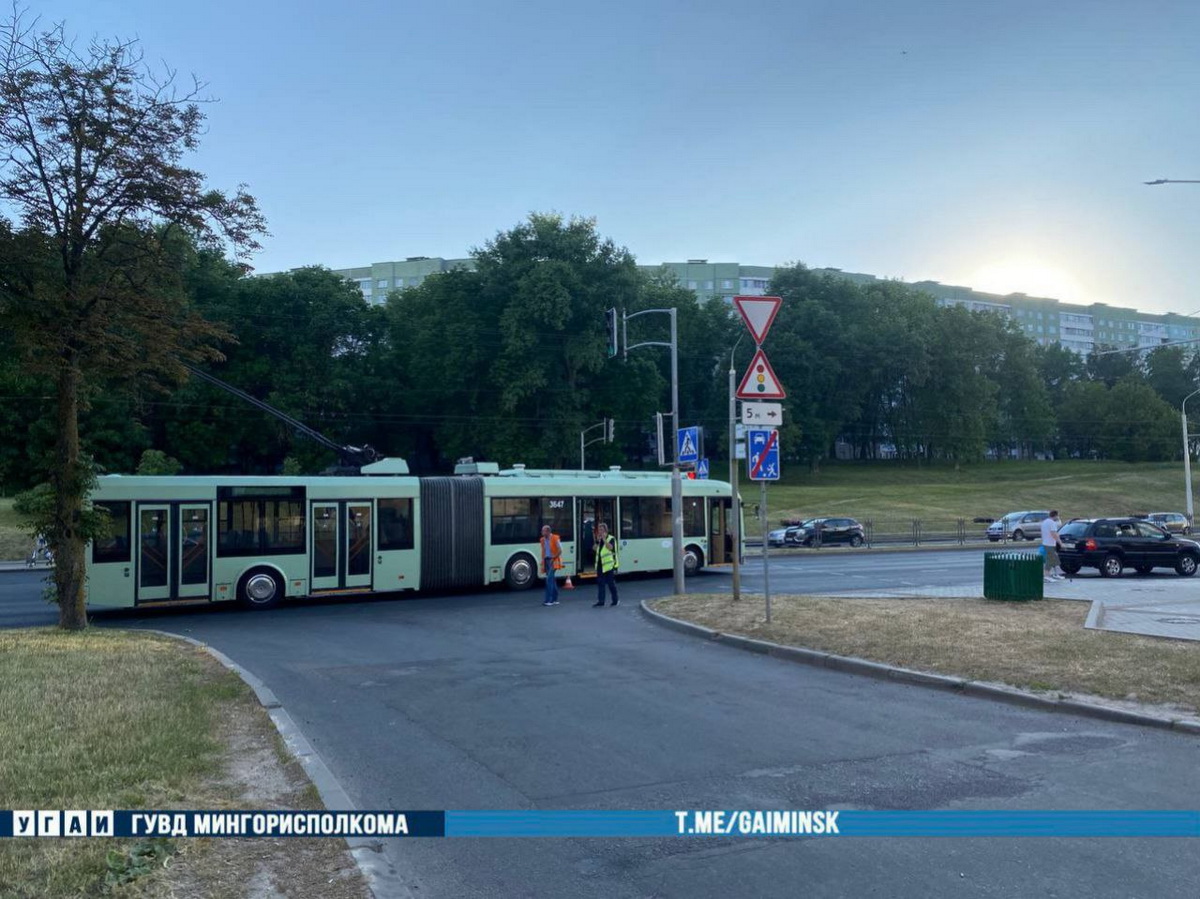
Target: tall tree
[[1168, 372], [508, 362], [99, 211]]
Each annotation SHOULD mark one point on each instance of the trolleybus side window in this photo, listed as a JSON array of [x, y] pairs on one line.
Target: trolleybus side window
[[693, 516], [260, 521], [645, 516], [559, 513], [113, 544], [519, 519], [395, 524]]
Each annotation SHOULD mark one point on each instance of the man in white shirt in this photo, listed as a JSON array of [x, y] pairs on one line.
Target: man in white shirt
[[1051, 546]]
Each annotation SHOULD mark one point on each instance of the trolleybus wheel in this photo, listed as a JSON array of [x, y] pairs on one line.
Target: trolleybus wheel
[[521, 572], [260, 588], [693, 560]]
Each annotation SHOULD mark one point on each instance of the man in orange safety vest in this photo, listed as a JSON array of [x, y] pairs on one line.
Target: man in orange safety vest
[[551, 563]]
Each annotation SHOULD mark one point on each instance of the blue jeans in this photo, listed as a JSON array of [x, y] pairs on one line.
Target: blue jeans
[[609, 579], [551, 586]]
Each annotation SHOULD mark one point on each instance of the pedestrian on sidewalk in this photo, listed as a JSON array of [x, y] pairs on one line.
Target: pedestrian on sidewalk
[[607, 563], [551, 563], [1050, 547]]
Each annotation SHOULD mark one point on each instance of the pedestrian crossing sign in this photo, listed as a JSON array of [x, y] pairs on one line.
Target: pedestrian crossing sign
[[687, 445]]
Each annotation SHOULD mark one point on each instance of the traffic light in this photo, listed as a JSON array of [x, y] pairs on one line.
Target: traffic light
[[610, 428], [691, 475], [610, 322]]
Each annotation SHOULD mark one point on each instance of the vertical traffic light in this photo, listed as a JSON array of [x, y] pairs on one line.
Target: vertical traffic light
[[610, 428], [610, 321]]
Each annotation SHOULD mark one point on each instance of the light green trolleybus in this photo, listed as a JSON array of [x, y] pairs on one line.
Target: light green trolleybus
[[257, 540]]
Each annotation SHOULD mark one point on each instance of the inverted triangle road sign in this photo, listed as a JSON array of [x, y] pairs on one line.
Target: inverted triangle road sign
[[758, 313], [759, 382]]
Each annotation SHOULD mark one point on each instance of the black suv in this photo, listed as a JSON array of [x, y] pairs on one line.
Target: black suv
[[1114, 544], [824, 531]]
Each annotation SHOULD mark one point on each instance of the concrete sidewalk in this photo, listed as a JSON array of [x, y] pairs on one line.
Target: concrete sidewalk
[[1156, 605]]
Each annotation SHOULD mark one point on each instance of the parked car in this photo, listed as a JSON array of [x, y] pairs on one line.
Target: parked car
[[1172, 522], [775, 537], [824, 531], [1017, 526], [1114, 544]]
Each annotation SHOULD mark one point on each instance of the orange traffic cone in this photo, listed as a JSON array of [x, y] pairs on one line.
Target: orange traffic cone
[[567, 585]]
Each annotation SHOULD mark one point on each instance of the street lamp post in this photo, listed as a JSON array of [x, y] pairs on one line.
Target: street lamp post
[[1187, 454], [676, 476]]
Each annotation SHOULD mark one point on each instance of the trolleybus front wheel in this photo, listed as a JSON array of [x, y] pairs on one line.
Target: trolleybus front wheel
[[693, 560], [260, 588], [521, 573]]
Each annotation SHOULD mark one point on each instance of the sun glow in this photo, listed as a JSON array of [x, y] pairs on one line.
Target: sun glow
[[1024, 274]]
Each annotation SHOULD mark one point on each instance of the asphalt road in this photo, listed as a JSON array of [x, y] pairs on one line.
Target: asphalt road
[[492, 701]]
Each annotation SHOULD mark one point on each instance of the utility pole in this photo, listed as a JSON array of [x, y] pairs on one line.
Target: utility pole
[[1187, 454]]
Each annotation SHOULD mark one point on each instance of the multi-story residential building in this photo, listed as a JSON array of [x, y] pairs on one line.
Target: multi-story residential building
[[1078, 327], [376, 279]]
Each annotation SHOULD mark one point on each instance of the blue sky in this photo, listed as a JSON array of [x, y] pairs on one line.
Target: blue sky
[[1000, 145]]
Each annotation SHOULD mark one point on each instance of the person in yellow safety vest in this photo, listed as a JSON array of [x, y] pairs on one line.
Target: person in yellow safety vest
[[607, 563], [551, 563]]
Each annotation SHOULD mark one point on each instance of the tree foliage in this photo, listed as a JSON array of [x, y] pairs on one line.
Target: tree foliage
[[99, 216]]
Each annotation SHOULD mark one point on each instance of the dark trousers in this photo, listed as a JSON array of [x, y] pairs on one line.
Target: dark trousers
[[609, 578]]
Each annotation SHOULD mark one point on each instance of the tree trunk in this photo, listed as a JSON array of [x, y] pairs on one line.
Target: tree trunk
[[70, 482]]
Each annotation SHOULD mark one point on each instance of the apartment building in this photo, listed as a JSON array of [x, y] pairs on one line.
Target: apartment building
[[1078, 327]]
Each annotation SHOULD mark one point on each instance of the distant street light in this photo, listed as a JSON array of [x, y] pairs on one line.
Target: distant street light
[[1171, 181]]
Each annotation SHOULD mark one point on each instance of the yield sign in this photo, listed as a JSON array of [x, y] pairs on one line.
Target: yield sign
[[758, 313], [759, 382]]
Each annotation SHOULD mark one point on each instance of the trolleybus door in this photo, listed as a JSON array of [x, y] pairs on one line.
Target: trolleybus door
[[341, 545], [195, 568], [720, 540], [174, 551], [592, 511]]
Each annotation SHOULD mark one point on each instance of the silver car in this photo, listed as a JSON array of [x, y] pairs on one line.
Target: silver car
[[775, 538], [1172, 522], [1017, 526]]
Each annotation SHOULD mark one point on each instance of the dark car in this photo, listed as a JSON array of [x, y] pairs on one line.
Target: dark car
[[825, 531], [1114, 544]]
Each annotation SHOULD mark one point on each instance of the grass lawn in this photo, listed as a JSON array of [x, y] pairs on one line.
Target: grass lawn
[[1039, 645], [888, 491], [110, 720]]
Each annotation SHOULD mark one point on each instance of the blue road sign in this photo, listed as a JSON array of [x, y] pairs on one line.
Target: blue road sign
[[702, 469], [763, 457], [687, 445]]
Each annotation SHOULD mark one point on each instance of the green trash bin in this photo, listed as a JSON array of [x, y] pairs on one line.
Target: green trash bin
[[1012, 576]]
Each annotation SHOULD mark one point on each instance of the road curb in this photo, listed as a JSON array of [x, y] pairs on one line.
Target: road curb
[[382, 879], [880, 671]]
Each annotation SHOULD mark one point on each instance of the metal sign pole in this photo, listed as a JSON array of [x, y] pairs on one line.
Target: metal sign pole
[[734, 523], [766, 568]]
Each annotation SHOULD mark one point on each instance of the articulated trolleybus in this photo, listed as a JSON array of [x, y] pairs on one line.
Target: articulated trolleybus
[[260, 539]]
